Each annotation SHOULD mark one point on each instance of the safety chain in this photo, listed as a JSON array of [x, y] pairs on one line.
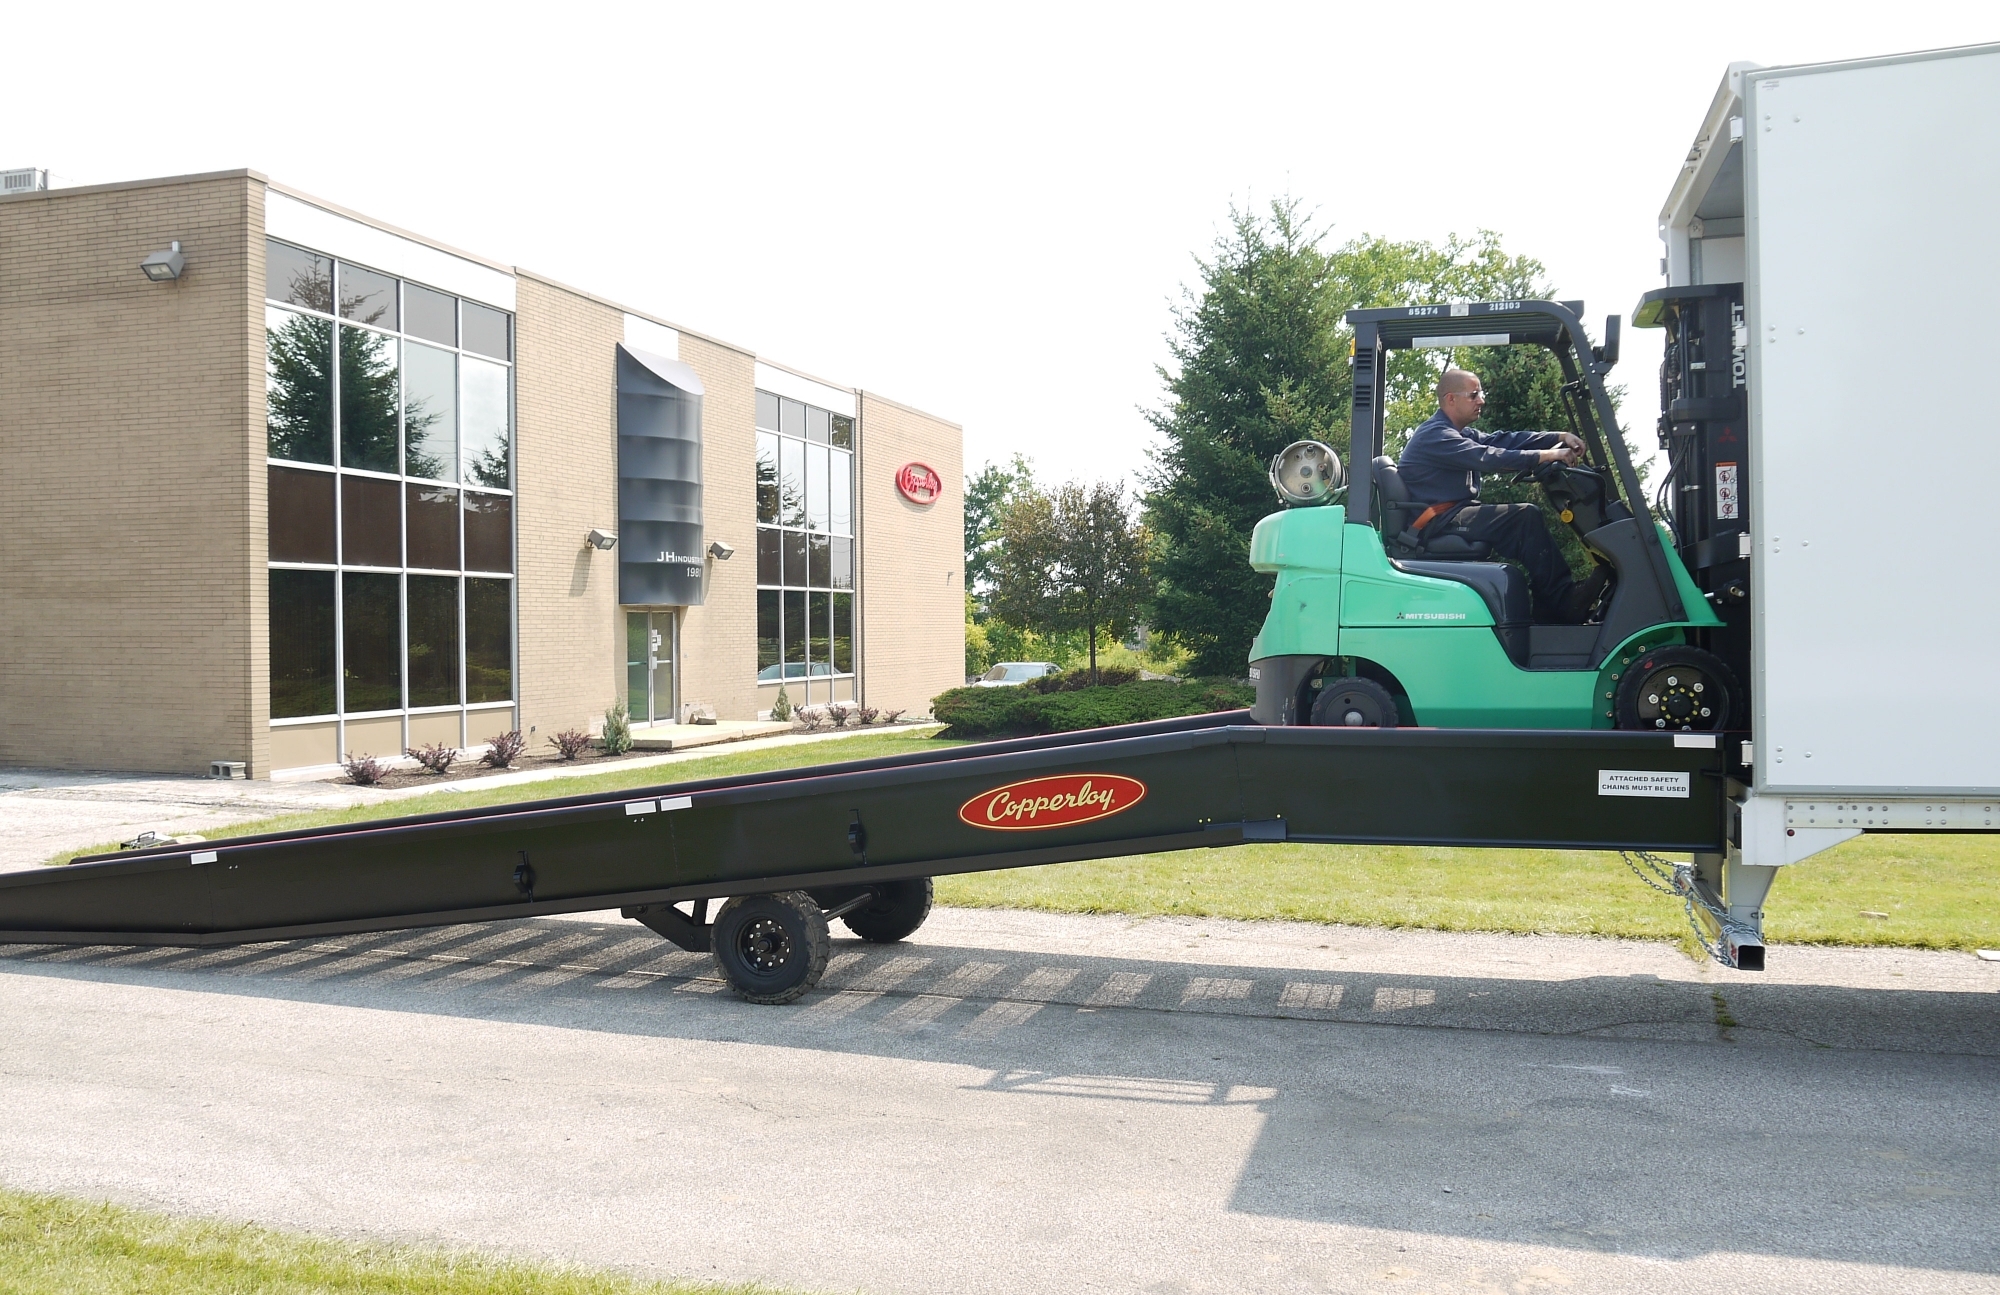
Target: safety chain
[[1670, 878]]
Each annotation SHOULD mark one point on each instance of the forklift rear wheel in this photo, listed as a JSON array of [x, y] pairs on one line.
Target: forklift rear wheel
[[899, 909], [771, 948], [1678, 689], [1354, 703]]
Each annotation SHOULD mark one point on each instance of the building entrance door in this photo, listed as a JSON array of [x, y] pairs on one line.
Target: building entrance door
[[649, 666]]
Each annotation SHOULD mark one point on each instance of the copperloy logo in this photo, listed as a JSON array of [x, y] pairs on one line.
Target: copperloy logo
[[919, 483], [1064, 800]]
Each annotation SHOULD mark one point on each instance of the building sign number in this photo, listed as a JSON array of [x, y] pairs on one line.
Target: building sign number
[[919, 483]]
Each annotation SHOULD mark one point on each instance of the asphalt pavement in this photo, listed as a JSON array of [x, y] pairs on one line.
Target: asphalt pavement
[[1017, 1102]]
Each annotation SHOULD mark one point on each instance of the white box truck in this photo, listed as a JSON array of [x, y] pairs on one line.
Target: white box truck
[[1833, 294]]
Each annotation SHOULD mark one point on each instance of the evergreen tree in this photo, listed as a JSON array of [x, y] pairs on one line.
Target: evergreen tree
[[1261, 360], [1257, 365]]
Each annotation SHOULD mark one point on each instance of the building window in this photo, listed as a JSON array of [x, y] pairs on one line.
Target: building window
[[805, 547], [390, 435]]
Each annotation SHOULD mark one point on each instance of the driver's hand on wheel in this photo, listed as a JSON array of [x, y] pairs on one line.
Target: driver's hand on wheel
[[1559, 454], [1571, 439]]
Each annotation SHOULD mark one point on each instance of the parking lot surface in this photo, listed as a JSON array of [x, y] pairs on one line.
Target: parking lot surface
[[1016, 1102]]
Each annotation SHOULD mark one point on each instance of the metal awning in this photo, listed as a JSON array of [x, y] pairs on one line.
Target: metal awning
[[672, 372]]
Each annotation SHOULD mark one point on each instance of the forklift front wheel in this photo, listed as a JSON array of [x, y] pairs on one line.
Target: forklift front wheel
[[771, 948], [1680, 689], [1354, 703]]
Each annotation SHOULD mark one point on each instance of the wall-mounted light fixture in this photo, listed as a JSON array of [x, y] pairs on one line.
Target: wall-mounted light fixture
[[162, 266], [721, 552], [601, 539]]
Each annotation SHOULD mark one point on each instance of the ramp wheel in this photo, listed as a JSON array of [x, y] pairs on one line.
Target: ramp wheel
[[771, 948], [902, 908], [1354, 703], [1678, 689]]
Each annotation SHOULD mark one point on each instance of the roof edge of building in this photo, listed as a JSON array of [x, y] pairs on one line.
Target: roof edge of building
[[521, 273], [153, 182], [350, 213], [864, 394]]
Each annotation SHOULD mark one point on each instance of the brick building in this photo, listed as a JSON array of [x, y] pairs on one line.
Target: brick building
[[338, 488]]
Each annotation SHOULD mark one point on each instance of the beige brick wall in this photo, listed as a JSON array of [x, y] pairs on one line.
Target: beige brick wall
[[132, 586], [719, 638], [572, 649], [912, 560]]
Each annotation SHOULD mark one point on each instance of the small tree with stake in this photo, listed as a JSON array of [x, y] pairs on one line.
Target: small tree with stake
[[1071, 561]]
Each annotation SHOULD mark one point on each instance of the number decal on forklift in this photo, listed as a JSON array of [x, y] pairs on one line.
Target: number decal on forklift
[[1060, 801]]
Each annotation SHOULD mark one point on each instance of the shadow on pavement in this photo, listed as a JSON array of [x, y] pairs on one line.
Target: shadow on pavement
[[1629, 1115]]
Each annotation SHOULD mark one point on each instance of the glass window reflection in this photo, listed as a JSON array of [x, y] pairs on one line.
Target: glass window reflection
[[371, 642], [483, 423], [430, 315], [430, 412], [297, 276], [767, 478], [433, 640], [370, 394], [298, 386], [489, 640], [792, 482], [485, 330], [816, 493], [367, 296]]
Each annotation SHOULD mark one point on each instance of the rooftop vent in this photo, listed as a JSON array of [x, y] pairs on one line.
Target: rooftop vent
[[25, 180]]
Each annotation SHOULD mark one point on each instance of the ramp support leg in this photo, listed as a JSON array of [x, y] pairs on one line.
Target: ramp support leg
[[1729, 904], [689, 932]]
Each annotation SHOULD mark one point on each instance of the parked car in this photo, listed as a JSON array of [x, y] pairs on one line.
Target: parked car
[[1012, 674], [794, 670]]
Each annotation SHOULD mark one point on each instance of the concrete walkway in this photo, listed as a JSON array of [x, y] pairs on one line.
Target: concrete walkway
[[44, 812]]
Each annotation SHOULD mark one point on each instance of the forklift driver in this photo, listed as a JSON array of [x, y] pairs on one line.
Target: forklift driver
[[1442, 465]]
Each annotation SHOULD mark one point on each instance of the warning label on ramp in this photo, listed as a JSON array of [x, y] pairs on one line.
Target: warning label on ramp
[[1643, 782]]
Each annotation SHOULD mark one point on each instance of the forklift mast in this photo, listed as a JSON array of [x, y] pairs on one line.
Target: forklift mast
[[1704, 432]]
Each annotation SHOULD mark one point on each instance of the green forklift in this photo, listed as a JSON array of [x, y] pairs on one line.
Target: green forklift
[[1375, 624]]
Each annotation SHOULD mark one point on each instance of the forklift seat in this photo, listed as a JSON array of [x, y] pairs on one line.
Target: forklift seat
[[1399, 511]]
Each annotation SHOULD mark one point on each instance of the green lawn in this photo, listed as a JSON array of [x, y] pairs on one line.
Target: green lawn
[[865, 747], [1936, 891], [1940, 892], [49, 1244]]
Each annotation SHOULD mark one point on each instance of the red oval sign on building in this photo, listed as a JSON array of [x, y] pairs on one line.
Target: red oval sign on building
[[1060, 801], [919, 483]]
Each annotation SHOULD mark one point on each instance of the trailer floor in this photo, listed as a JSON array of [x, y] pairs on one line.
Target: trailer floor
[[1028, 1102]]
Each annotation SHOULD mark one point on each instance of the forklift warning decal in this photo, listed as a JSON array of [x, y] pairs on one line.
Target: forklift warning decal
[[1643, 782], [1061, 801]]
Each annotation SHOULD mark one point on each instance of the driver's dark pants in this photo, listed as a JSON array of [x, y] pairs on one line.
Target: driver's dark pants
[[1519, 531]]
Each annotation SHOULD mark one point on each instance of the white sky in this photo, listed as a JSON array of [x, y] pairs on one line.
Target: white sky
[[981, 211]]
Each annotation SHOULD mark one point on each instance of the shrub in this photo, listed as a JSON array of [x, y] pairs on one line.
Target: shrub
[[781, 709], [840, 715], [891, 716], [504, 748], [866, 715], [1019, 712], [570, 743], [1108, 676], [810, 718], [437, 757], [363, 771], [617, 730]]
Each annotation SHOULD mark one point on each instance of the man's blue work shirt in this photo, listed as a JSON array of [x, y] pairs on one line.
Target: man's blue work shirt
[[1441, 464]]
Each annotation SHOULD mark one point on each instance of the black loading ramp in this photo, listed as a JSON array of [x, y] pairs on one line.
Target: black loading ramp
[[1208, 781]]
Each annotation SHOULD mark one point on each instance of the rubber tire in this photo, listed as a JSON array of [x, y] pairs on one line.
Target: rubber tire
[[901, 909], [794, 917], [1344, 697], [1633, 688]]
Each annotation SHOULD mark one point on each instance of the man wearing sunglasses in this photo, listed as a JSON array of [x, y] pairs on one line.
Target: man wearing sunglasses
[[1442, 465]]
